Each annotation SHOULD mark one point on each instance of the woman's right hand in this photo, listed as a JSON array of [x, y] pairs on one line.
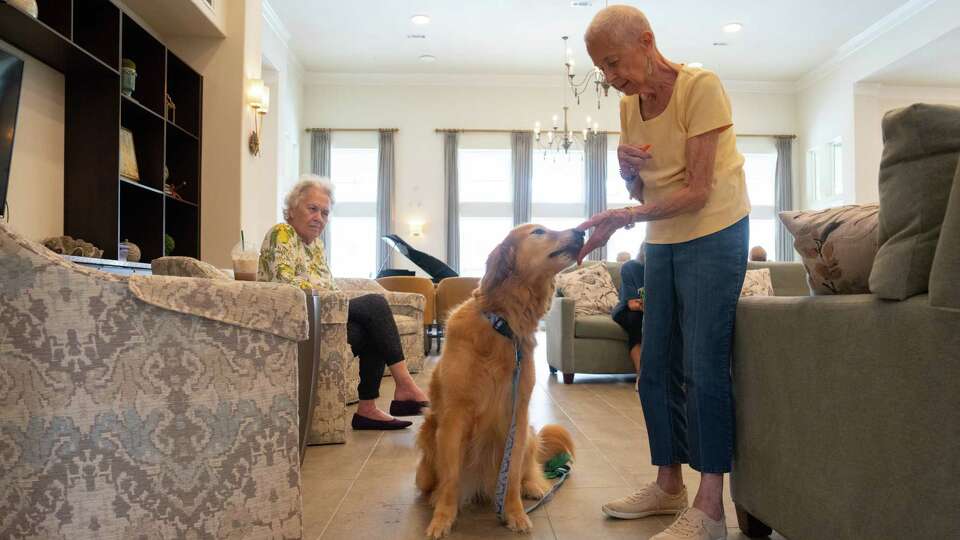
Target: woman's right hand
[[632, 158]]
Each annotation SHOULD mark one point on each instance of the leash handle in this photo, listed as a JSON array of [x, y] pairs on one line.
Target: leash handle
[[502, 476]]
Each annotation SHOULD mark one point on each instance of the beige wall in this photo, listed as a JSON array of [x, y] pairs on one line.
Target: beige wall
[[35, 193]]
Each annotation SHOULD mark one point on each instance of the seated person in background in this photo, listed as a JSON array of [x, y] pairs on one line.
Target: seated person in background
[[757, 253], [292, 253], [629, 311], [623, 257]]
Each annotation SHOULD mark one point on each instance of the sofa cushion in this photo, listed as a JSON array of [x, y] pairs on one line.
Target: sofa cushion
[[838, 246], [591, 287], [945, 274], [757, 282], [598, 327], [921, 145]]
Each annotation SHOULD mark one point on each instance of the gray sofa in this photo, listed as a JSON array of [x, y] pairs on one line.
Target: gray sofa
[[848, 407], [585, 344], [596, 344]]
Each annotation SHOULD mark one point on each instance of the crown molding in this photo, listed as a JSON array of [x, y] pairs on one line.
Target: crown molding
[[888, 23], [760, 87], [316, 78], [275, 23], [885, 90]]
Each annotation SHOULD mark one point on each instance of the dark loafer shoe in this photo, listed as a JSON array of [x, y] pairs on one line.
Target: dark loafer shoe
[[407, 407], [362, 422]]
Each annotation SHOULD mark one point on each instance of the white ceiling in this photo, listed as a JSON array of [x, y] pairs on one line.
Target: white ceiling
[[932, 65], [781, 41]]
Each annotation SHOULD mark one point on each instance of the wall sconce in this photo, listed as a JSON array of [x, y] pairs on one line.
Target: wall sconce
[[416, 228], [258, 97]]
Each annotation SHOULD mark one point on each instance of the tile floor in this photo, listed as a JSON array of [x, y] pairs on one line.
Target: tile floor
[[364, 489]]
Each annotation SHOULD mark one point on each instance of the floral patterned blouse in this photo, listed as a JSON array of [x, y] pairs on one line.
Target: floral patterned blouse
[[285, 258]]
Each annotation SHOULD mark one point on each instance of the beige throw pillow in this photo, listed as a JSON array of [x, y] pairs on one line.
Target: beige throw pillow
[[757, 283], [591, 288], [838, 246]]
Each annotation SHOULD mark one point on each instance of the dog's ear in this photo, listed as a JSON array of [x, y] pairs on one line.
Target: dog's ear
[[500, 264]]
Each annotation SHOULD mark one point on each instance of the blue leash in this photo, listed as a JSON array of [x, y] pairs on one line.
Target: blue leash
[[561, 471]]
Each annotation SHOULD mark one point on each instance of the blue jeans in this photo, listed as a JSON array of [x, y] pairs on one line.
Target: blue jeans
[[692, 289]]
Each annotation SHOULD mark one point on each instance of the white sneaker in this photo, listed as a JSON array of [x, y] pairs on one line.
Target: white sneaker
[[650, 500], [693, 524]]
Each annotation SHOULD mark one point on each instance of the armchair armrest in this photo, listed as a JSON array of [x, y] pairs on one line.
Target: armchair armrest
[[409, 304], [324, 380], [560, 326]]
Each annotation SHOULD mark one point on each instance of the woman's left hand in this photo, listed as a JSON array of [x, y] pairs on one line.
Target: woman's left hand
[[605, 223]]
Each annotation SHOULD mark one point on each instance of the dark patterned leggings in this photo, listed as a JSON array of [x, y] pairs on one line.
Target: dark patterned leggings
[[373, 336]]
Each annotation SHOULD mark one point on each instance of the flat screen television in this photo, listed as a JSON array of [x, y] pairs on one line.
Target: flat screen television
[[11, 78]]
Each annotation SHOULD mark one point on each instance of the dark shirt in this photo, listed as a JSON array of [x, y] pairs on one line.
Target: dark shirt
[[631, 281]]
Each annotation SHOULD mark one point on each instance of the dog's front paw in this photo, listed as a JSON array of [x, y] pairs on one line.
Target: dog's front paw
[[440, 525], [519, 522], [533, 490]]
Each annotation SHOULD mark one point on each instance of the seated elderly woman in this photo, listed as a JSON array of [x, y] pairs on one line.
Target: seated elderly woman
[[292, 253]]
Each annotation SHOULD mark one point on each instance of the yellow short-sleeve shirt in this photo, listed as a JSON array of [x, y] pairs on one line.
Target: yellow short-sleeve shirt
[[699, 104]]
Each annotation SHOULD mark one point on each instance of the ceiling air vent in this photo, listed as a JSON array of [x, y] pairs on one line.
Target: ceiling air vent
[[416, 36], [581, 3]]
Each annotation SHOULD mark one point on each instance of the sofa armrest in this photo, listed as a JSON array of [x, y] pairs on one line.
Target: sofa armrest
[[834, 394], [328, 311], [560, 326], [409, 304]]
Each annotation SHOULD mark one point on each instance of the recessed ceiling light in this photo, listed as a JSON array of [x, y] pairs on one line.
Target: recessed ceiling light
[[695, 64], [732, 28], [420, 19], [428, 58]]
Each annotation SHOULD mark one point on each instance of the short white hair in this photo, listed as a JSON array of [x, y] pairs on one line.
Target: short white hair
[[305, 184], [618, 25]]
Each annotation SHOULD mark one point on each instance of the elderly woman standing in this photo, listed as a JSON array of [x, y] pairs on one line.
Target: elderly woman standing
[[678, 155], [292, 253]]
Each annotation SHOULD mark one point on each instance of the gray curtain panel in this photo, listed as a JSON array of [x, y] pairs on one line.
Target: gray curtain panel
[[596, 175], [452, 197], [386, 174], [320, 165], [783, 197], [521, 148]]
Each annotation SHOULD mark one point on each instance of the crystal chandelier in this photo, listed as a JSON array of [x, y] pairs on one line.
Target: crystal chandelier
[[564, 138]]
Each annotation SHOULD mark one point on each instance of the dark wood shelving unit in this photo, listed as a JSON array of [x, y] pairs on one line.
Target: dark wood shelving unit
[[87, 40]]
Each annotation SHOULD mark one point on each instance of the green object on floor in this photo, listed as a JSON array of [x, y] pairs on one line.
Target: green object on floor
[[557, 466]]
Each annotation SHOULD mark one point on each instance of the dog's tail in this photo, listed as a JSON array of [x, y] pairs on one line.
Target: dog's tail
[[553, 440]]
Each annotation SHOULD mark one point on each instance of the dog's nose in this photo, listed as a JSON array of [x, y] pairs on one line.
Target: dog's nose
[[579, 234]]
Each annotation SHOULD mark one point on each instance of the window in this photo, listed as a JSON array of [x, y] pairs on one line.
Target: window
[[486, 198], [558, 189], [836, 151], [624, 240], [354, 159], [760, 169]]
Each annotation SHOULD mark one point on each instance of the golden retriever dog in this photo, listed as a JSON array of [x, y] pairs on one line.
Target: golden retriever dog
[[464, 433]]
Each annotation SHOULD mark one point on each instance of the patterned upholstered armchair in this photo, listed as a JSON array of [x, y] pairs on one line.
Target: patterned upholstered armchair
[[336, 375], [145, 405], [407, 311]]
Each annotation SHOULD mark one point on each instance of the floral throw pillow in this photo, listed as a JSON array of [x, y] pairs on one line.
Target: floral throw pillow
[[838, 246], [591, 288], [757, 283]]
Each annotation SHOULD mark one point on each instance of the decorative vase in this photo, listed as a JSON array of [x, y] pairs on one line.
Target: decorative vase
[[133, 251], [27, 6], [128, 77]]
